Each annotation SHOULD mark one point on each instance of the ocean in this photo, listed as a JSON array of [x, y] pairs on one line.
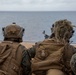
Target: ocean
[[36, 22]]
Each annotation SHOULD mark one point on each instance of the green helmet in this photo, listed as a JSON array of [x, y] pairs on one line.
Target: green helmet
[[13, 31], [63, 30]]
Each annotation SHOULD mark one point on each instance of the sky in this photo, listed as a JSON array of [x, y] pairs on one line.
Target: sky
[[37, 5]]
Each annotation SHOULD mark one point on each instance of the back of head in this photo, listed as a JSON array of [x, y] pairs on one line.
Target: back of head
[[63, 30], [13, 32]]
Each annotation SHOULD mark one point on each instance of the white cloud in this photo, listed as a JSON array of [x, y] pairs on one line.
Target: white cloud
[[35, 5]]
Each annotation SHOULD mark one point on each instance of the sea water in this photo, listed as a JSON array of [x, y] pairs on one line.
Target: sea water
[[36, 22]]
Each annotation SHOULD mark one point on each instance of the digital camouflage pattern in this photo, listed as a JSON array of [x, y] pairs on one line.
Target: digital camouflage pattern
[[73, 63], [15, 59], [56, 52]]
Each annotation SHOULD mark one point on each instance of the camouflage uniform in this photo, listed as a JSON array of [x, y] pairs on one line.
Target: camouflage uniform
[[14, 33], [53, 55], [73, 63]]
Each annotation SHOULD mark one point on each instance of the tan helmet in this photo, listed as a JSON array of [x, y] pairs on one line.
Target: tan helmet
[[63, 30], [13, 31]]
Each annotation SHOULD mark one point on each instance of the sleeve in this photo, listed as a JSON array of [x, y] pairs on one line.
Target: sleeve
[[74, 49], [32, 52], [26, 64], [73, 63]]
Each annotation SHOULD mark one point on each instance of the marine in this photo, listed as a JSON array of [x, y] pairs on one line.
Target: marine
[[15, 59], [73, 63], [53, 54]]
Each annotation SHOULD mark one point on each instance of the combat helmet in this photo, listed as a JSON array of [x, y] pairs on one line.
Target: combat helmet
[[63, 30], [13, 32]]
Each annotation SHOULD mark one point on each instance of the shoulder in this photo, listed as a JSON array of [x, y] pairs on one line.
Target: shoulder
[[22, 47]]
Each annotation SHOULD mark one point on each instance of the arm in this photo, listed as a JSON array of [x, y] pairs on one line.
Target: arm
[[26, 64], [45, 65], [32, 51], [53, 59]]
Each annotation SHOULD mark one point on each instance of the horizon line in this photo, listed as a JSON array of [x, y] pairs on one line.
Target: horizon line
[[38, 11]]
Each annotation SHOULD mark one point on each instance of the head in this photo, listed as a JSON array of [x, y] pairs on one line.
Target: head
[[13, 32], [63, 30]]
